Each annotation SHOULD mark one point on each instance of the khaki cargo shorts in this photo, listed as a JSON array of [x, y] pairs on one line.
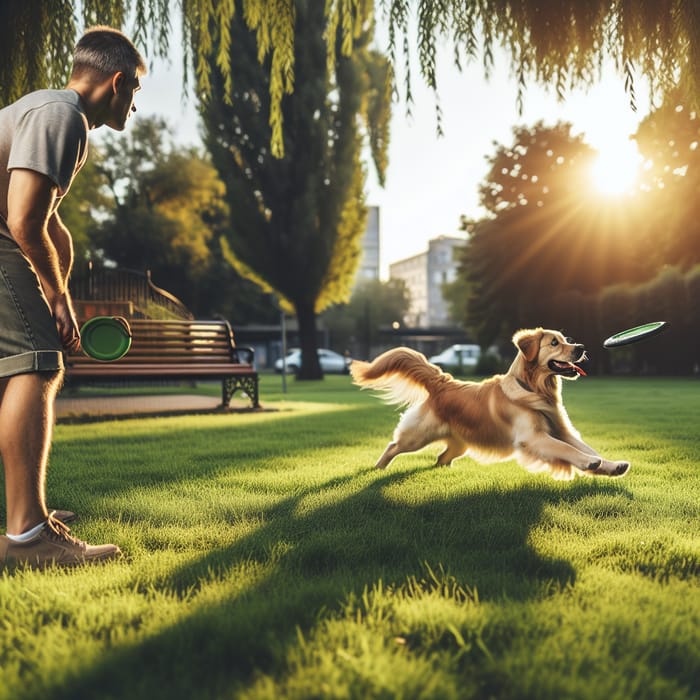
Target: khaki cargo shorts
[[29, 340]]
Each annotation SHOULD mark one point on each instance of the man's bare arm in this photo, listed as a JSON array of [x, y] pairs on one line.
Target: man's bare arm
[[63, 242], [31, 204]]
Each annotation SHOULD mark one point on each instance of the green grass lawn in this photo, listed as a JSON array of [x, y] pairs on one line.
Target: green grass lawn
[[265, 558]]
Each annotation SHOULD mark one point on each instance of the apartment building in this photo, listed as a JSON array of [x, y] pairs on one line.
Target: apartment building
[[424, 275], [369, 263]]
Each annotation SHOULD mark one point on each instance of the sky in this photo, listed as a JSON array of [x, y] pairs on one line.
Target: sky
[[433, 180]]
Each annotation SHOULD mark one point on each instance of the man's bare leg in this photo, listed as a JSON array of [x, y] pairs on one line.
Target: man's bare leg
[[26, 430]]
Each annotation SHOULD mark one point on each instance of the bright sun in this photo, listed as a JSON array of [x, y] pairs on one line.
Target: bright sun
[[615, 170]]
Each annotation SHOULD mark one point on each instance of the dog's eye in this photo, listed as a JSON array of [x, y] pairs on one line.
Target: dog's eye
[[555, 342]]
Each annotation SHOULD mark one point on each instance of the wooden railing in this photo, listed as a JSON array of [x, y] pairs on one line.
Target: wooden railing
[[127, 286]]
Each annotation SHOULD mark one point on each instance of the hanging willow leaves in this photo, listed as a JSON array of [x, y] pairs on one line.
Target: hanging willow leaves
[[561, 43], [37, 38]]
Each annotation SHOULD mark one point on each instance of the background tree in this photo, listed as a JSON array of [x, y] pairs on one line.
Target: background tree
[[147, 204], [168, 204], [548, 237], [297, 221], [669, 141], [89, 201], [374, 304], [669, 295], [561, 44]]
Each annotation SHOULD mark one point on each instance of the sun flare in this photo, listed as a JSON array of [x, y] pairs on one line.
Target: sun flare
[[615, 170]]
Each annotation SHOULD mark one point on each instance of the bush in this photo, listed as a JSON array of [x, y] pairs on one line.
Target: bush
[[490, 363]]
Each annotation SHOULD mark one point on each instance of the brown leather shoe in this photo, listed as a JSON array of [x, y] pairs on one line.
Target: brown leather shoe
[[54, 545], [65, 516]]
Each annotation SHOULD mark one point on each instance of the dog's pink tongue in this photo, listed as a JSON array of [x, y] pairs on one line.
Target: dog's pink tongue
[[579, 370]]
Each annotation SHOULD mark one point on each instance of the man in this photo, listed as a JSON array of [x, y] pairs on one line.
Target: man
[[43, 144]]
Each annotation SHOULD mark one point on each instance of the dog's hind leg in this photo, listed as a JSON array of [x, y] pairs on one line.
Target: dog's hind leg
[[417, 428], [455, 448], [392, 449], [403, 444]]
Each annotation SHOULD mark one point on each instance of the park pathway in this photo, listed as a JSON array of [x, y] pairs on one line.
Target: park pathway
[[69, 408]]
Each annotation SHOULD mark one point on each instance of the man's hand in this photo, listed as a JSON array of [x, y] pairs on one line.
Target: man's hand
[[66, 323]]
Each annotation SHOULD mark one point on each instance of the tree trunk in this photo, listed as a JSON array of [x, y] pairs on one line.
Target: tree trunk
[[310, 367]]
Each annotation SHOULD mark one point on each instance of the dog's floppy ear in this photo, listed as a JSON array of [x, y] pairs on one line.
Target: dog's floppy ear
[[528, 342]]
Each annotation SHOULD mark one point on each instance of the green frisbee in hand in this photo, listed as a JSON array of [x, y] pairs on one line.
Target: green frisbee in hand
[[632, 335], [105, 338]]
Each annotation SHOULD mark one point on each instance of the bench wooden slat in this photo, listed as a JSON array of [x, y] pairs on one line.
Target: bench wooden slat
[[166, 349], [176, 349], [154, 347], [169, 370]]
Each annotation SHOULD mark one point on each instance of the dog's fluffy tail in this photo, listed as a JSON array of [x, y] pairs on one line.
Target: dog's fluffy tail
[[402, 376]]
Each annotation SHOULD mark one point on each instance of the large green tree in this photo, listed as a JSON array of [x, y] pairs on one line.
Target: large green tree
[[297, 221], [548, 239], [562, 43]]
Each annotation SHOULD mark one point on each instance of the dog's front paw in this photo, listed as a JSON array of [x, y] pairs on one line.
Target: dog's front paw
[[621, 468], [607, 468], [595, 465]]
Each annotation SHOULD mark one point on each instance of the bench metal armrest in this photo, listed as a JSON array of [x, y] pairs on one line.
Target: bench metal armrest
[[244, 355]]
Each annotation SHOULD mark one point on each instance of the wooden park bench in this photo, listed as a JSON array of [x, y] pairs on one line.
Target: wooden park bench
[[176, 350]]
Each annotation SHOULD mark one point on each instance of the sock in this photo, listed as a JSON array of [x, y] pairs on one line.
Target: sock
[[29, 535]]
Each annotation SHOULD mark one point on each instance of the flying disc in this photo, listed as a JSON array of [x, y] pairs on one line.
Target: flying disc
[[105, 338], [632, 335]]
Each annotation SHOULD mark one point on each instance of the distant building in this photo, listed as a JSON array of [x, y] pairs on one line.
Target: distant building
[[414, 272], [424, 276], [369, 263], [443, 253]]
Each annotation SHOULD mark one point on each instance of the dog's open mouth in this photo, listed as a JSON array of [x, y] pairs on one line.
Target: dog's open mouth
[[567, 369]]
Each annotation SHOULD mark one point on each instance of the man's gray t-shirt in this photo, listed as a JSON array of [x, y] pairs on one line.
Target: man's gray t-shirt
[[45, 131]]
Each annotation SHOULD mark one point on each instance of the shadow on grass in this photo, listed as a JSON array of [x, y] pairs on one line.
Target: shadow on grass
[[311, 559], [314, 559]]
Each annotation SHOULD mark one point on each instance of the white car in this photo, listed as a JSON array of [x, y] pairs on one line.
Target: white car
[[457, 358], [331, 362]]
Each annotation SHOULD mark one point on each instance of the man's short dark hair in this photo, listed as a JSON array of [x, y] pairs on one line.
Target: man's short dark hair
[[105, 51]]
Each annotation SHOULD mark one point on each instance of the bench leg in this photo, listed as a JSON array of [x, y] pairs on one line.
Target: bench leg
[[248, 385]]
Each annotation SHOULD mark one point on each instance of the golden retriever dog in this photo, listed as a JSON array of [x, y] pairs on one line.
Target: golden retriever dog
[[518, 415]]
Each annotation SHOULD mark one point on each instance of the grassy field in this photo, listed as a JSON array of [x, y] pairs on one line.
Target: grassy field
[[265, 558]]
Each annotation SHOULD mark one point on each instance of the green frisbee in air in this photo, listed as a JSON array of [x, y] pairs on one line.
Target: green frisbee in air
[[632, 335], [105, 338]]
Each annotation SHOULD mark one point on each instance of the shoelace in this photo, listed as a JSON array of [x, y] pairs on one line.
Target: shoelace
[[59, 531]]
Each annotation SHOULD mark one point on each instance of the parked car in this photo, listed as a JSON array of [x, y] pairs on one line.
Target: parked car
[[457, 358], [331, 362]]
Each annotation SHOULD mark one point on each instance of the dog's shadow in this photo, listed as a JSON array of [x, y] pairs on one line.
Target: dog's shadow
[[481, 538], [315, 556]]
